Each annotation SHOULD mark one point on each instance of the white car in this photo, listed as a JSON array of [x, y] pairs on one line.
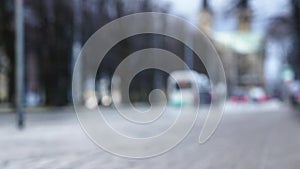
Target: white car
[[186, 88]]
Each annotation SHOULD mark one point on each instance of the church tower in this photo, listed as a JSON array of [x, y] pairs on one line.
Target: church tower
[[244, 16], [206, 17]]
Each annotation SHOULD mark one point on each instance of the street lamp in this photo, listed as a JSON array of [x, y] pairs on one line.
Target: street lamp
[[19, 52]]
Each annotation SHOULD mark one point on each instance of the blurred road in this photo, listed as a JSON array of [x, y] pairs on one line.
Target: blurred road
[[251, 136]]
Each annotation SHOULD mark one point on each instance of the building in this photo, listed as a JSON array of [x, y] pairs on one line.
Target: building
[[241, 51]]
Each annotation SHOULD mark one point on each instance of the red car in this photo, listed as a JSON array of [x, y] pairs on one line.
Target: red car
[[239, 96]]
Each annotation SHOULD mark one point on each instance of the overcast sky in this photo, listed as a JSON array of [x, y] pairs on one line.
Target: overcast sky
[[263, 10]]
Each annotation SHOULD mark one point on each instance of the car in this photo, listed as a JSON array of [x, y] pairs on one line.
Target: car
[[258, 94], [239, 95], [294, 92], [187, 88]]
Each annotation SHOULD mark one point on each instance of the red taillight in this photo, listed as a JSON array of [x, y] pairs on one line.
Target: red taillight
[[234, 98], [264, 98], [244, 99], [298, 98]]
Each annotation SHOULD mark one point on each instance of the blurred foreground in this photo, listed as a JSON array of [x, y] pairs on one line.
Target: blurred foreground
[[250, 136]]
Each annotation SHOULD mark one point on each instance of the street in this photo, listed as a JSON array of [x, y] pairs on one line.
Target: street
[[250, 136]]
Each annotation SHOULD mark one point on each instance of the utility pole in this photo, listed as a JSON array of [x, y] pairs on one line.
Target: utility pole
[[19, 52], [77, 20]]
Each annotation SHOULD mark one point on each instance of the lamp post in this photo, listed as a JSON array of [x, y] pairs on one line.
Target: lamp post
[[77, 20], [19, 52]]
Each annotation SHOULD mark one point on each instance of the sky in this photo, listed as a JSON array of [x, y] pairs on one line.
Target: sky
[[186, 8], [263, 10]]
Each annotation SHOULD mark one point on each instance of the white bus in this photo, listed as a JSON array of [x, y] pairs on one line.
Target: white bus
[[187, 88]]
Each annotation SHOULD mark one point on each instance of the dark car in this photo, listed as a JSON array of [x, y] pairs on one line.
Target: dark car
[[294, 92]]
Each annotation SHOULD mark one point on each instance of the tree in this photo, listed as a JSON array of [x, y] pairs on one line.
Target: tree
[[7, 40], [295, 53]]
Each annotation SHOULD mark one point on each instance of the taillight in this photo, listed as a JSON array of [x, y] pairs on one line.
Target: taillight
[[298, 98], [234, 98], [263, 98]]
